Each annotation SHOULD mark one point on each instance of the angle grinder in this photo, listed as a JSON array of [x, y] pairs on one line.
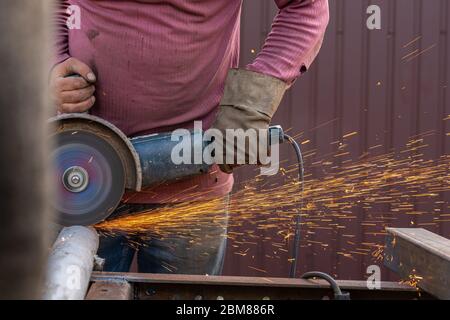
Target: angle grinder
[[94, 163]]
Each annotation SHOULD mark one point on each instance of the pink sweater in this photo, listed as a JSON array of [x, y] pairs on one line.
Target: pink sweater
[[161, 64]]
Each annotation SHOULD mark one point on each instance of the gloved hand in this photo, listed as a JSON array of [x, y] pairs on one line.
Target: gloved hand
[[250, 100]]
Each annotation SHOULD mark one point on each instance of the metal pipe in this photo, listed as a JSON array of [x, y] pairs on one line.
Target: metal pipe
[[23, 142], [71, 263]]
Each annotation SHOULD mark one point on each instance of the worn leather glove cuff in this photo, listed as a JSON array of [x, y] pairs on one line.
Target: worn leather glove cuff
[[249, 89], [250, 100]]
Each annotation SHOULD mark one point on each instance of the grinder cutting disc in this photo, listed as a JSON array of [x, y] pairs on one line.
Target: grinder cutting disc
[[88, 174]]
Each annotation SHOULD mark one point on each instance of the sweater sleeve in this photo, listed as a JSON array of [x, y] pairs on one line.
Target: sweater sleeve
[[295, 39], [60, 31]]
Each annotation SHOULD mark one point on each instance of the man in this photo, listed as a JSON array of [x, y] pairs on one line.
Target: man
[[156, 65]]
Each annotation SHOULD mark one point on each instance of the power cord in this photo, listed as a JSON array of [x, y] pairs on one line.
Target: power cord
[[276, 132], [338, 294], [301, 178]]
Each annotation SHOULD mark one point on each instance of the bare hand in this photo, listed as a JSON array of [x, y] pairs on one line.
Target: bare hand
[[71, 93]]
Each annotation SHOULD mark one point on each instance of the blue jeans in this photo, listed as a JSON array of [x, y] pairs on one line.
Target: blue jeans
[[201, 253]]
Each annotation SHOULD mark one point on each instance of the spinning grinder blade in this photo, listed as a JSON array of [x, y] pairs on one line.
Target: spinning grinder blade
[[88, 174]]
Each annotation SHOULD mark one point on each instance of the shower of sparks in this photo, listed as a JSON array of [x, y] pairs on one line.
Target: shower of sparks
[[372, 191], [412, 41], [413, 280], [415, 54]]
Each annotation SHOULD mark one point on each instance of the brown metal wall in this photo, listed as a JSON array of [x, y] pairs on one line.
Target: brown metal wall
[[363, 81]]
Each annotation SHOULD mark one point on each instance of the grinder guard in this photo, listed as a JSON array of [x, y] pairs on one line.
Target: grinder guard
[[120, 163], [93, 164]]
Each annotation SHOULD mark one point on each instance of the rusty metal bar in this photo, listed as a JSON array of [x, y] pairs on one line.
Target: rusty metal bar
[[190, 287], [420, 256], [110, 290]]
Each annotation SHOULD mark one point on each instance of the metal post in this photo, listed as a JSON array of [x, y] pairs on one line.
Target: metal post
[[23, 175], [71, 263]]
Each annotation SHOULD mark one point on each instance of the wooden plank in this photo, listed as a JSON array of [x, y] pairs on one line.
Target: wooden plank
[[422, 256], [110, 290]]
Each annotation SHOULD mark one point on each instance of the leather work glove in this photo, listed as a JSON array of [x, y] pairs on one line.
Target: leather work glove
[[250, 100]]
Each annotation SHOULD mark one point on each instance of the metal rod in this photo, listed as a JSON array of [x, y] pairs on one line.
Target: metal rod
[[71, 263]]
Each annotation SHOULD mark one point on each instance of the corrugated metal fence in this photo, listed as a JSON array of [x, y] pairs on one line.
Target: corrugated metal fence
[[380, 86]]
